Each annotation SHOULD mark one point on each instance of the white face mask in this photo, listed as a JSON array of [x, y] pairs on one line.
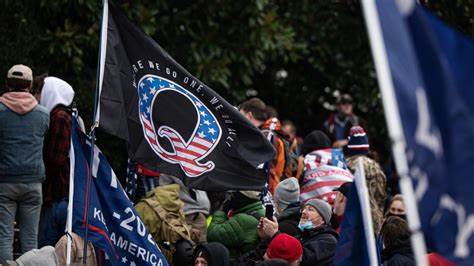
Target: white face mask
[[305, 225]]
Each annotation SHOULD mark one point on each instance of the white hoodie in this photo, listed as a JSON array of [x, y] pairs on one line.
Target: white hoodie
[[56, 91]]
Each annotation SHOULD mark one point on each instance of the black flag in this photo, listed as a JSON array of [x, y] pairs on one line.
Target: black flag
[[173, 123]]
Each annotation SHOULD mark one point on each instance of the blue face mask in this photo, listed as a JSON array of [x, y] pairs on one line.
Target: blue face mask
[[305, 225]]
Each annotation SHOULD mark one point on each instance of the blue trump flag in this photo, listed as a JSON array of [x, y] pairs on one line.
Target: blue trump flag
[[429, 74], [114, 225], [356, 245]]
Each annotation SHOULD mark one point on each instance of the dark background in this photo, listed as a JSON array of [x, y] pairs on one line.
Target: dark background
[[295, 55]]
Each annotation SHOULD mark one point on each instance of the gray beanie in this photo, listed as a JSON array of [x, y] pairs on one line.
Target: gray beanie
[[287, 192], [323, 208]]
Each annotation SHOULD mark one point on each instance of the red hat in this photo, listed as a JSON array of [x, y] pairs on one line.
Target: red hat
[[285, 247]]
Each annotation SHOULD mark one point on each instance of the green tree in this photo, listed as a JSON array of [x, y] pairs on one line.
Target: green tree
[[294, 54]]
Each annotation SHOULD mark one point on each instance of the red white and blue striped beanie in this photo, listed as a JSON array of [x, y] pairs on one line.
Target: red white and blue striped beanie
[[358, 142]]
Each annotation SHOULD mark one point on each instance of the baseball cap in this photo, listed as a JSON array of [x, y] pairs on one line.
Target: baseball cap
[[20, 72], [344, 98], [345, 189]]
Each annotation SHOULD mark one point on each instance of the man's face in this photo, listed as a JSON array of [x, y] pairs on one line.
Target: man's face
[[344, 108], [310, 213], [340, 204], [290, 130]]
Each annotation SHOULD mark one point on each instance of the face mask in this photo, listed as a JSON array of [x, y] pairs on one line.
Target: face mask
[[305, 225]]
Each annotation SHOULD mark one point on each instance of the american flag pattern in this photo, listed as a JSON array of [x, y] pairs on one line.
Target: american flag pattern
[[324, 170], [186, 153]]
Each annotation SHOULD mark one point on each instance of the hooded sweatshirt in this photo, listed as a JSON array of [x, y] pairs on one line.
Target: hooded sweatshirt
[[23, 126], [56, 92], [19, 102], [57, 96], [195, 201]]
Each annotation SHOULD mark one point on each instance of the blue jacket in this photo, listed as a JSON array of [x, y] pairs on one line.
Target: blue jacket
[[21, 144]]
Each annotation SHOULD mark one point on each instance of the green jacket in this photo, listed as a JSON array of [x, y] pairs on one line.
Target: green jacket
[[239, 233]]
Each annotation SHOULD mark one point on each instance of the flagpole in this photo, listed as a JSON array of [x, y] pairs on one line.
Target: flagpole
[[70, 202], [392, 117], [363, 193], [98, 88]]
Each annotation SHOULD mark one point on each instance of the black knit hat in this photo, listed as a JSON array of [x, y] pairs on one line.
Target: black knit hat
[[214, 253], [315, 140]]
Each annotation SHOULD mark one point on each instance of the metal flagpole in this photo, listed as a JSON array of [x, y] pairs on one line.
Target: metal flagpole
[[98, 88], [392, 116], [70, 203], [363, 193]]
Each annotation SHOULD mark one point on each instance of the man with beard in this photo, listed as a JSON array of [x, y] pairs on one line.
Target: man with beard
[[318, 238]]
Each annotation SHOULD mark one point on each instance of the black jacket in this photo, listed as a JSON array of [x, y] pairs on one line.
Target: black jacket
[[289, 219], [401, 256], [319, 245]]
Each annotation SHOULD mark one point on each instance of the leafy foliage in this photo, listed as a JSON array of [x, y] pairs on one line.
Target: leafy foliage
[[295, 54]]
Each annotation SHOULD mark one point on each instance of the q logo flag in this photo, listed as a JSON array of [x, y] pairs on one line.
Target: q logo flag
[[114, 225], [172, 122]]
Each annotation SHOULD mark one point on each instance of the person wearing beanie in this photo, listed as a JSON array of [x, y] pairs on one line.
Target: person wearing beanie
[[285, 247], [211, 254], [287, 205], [358, 142], [318, 238], [234, 226], [315, 140]]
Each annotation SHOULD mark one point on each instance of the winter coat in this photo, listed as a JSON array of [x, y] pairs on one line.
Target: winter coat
[[163, 215], [239, 232], [289, 219], [401, 256], [196, 207], [23, 126], [278, 163], [195, 201], [376, 185], [329, 126], [319, 246]]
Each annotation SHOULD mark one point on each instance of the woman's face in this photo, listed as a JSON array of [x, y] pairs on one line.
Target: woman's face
[[200, 262], [397, 207]]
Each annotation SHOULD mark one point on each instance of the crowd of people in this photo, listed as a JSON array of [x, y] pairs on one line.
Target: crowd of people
[[295, 221]]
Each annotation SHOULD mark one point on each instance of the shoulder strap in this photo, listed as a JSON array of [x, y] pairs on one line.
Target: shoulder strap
[[156, 206], [299, 170]]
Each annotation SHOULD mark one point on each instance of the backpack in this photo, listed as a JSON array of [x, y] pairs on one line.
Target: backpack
[[170, 227], [291, 159]]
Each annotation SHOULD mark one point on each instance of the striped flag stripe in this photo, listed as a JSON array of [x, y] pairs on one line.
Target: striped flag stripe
[[202, 141], [190, 152], [320, 184]]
